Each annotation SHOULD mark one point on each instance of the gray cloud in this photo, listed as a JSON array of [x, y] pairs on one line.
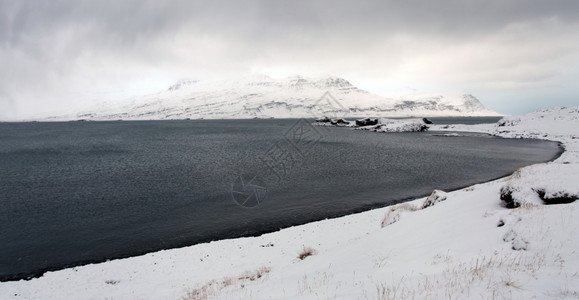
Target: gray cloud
[[55, 52], [131, 19]]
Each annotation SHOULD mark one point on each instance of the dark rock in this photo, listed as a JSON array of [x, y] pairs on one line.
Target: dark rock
[[366, 122], [339, 122], [507, 122], [507, 198], [427, 121], [560, 198]]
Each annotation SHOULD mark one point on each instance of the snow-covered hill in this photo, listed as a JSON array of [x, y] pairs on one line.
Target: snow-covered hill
[[260, 96]]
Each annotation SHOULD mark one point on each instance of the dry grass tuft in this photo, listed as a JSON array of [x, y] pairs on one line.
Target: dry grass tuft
[[306, 251], [212, 287], [255, 274], [461, 277]]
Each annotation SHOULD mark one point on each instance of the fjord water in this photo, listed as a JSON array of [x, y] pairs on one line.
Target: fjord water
[[78, 192]]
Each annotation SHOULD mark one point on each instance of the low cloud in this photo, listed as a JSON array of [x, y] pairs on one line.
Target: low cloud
[[62, 54]]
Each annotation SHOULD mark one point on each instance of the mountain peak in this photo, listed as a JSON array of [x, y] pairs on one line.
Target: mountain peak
[[260, 96], [334, 82], [296, 82]]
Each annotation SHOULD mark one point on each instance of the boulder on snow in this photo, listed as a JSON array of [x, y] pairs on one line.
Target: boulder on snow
[[558, 197], [550, 183], [507, 197], [435, 197]]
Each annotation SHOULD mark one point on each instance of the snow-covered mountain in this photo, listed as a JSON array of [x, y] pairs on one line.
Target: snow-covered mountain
[[260, 96]]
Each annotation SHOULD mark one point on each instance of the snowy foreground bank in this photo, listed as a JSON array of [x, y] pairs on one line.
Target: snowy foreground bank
[[462, 245]]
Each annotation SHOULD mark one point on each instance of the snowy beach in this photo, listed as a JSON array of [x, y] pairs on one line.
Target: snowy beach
[[464, 244]]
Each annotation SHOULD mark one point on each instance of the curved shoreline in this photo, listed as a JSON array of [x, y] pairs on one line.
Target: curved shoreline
[[460, 247], [365, 208]]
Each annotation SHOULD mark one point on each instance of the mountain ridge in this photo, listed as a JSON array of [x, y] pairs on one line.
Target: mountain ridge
[[261, 96]]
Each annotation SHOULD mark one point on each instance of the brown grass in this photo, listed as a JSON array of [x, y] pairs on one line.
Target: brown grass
[[306, 251], [212, 287], [394, 213]]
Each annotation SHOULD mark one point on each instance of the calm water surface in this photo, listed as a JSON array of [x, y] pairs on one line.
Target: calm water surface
[[79, 192]]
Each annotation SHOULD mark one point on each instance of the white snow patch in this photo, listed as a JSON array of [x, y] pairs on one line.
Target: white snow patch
[[405, 125]]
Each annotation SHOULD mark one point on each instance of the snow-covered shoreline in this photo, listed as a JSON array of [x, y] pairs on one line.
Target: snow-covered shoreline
[[379, 124], [468, 245]]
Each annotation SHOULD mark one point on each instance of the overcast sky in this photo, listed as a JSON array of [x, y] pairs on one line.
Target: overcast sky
[[514, 55]]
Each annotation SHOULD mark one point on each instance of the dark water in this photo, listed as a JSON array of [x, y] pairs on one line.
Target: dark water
[[79, 192]]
